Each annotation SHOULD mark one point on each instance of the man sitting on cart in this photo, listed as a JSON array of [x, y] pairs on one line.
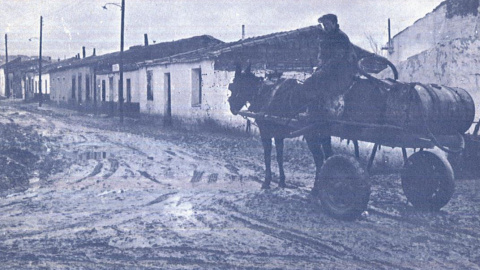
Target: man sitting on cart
[[334, 73]]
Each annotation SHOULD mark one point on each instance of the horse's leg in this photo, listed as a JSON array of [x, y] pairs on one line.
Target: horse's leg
[[267, 152], [327, 146], [279, 149], [314, 143]]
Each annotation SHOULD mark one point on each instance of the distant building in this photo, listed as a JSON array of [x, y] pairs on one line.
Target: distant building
[[92, 82], [21, 75]]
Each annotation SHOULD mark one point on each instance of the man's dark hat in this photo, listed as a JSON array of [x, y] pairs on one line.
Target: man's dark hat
[[328, 17]]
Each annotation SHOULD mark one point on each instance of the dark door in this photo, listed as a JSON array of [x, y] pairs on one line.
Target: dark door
[[167, 119]]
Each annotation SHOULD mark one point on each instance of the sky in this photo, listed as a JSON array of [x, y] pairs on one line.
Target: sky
[[70, 24]]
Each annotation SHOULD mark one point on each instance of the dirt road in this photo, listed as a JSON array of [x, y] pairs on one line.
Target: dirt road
[[143, 197]]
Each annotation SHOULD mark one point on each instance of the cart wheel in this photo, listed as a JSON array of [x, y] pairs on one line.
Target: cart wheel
[[427, 181], [343, 187]]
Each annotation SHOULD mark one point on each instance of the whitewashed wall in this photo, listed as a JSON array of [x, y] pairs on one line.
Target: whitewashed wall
[[430, 30], [137, 85], [61, 83], [45, 78], [2, 82]]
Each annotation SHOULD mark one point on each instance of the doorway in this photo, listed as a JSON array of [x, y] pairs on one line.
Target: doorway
[[167, 118]]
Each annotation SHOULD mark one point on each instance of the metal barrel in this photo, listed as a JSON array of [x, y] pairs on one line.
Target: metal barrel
[[423, 108]]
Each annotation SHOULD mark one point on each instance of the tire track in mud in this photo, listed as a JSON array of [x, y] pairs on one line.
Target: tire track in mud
[[8, 118], [149, 177], [114, 165], [105, 139], [442, 231], [96, 170], [161, 198], [334, 249]]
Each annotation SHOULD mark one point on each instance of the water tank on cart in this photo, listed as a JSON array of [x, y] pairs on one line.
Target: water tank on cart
[[422, 108]]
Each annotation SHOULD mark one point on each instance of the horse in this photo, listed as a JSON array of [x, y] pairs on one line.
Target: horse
[[282, 98]]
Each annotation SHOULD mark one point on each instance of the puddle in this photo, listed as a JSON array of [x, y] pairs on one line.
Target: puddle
[[92, 155]]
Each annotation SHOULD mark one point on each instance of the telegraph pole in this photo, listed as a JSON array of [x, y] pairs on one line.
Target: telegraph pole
[[40, 66], [7, 86], [120, 85]]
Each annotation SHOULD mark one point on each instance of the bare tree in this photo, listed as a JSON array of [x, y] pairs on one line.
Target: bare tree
[[374, 46]]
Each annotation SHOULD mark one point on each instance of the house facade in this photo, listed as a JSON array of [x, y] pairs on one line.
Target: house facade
[[193, 87], [45, 85], [21, 74], [92, 83]]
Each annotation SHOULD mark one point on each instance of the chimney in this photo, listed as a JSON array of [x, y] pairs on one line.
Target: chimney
[[83, 51], [94, 53], [146, 39], [243, 31]]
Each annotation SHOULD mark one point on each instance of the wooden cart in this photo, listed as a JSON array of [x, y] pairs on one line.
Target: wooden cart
[[427, 178]]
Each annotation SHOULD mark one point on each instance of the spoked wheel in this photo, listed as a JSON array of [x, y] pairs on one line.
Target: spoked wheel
[[428, 181], [343, 187]]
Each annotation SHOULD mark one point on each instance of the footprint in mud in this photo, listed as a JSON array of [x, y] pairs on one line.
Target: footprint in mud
[[170, 152], [197, 176], [232, 168], [161, 198], [212, 178], [148, 176]]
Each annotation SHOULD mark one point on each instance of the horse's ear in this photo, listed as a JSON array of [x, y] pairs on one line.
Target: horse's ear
[[238, 69], [249, 68]]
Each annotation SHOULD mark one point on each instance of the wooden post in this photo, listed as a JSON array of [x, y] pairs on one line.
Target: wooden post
[[372, 157], [7, 81], [120, 86], [40, 66]]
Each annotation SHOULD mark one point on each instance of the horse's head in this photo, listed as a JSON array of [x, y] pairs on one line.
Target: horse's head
[[244, 87]]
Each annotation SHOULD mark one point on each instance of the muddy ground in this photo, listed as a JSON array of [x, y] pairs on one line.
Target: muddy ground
[[80, 192]]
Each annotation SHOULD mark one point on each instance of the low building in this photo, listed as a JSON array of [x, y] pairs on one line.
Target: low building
[[193, 87], [91, 83], [21, 73]]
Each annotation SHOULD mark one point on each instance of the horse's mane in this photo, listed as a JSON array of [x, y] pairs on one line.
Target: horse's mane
[[284, 97]]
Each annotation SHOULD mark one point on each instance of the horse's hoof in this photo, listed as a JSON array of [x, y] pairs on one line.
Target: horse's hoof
[[266, 186]]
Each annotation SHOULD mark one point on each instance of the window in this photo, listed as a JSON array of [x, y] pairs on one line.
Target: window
[[167, 118], [46, 85], [79, 87], [87, 87], [196, 87], [129, 91], [104, 90], [74, 85], [149, 85], [110, 87], [36, 87], [123, 93]]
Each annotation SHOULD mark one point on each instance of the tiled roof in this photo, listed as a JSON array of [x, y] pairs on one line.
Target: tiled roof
[[299, 45], [26, 65], [137, 54]]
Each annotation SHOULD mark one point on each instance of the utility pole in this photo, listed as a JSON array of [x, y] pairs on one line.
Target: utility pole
[[40, 66], [389, 46], [120, 85], [7, 86]]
